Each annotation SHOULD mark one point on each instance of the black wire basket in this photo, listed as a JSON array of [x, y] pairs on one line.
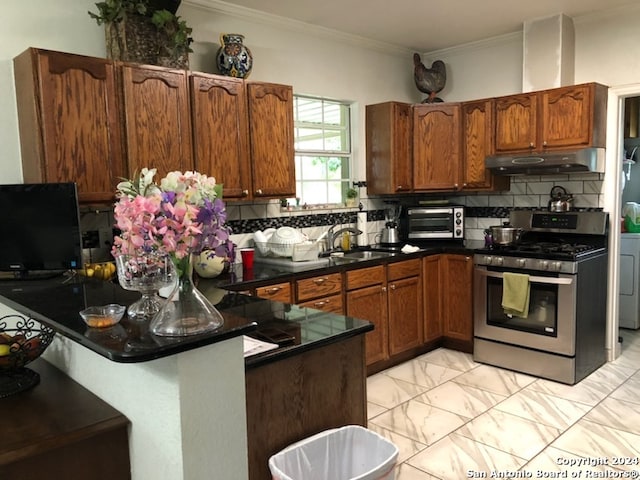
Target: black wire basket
[[22, 340]]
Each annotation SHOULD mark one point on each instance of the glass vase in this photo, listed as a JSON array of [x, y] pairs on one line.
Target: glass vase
[[187, 311], [146, 273]]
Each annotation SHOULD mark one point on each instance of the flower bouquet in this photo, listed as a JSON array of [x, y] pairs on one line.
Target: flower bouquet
[[181, 217]]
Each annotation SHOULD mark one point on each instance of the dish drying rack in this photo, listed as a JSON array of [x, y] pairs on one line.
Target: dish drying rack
[[298, 252]]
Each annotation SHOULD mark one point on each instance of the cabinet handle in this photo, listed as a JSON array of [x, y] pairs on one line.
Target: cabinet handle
[[384, 289], [392, 286], [273, 289], [320, 281], [544, 144], [245, 193], [259, 191], [321, 304], [531, 145]]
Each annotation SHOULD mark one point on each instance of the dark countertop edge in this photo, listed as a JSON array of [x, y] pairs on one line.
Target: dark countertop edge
[[290, 351], [192, 341], [283, 275]]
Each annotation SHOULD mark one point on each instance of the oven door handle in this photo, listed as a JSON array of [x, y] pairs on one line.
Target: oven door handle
[[532, 278]]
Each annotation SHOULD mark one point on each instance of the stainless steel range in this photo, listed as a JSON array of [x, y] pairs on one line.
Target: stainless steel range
[[562, 335]]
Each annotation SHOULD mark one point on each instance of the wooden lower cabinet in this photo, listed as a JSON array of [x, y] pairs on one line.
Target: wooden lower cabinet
[[323, 292], [294, 398], [366, 298], [432, 295], [448, 300], [279, 292], [457, 278], [405, 310]]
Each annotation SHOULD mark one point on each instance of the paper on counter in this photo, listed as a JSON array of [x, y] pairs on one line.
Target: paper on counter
[[409, 249], [253, 346]]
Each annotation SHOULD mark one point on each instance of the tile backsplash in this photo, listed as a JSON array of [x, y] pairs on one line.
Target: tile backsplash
[[483, 210]]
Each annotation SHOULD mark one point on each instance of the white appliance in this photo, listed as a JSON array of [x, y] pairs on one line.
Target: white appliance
[[629, 314]]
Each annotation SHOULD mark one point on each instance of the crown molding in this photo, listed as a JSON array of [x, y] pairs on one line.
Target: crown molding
[[465, 48], [278, 22]]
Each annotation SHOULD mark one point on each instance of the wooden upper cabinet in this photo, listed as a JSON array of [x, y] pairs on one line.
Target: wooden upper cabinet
[[220, 131], [436, 147], [389, 144], [516, 123], [271, 139], [68, 121], [555, 119], [477, 144], [157, 119], [574, 116]]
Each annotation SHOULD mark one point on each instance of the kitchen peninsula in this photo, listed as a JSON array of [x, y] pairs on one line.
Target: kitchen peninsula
[[191, 410]]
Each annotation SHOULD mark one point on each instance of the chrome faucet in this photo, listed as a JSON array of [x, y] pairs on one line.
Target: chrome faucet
[[332, 236]]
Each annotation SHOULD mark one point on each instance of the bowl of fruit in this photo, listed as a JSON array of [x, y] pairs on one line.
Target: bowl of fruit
[[102, 316], [99, 270], [22, 340]]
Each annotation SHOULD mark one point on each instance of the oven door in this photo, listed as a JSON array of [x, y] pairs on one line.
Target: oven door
[[550, 323]]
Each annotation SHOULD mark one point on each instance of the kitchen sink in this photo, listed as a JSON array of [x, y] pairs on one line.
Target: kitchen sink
[[359, 256], [367, 255]]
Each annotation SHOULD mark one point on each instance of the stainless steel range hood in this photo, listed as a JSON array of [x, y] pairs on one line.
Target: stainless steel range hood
[[585, 160]]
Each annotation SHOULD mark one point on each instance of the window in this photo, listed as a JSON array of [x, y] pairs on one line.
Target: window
[[322, 150]]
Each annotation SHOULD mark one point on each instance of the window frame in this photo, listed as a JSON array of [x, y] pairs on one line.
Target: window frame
[[345, 127]]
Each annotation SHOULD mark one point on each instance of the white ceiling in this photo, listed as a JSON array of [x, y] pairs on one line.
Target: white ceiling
[[425, 25]]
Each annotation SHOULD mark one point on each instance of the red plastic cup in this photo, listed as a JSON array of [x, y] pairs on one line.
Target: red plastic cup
[[247, 257]]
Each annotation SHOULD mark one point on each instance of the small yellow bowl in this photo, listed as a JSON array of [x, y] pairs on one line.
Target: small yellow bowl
[[103, 316]]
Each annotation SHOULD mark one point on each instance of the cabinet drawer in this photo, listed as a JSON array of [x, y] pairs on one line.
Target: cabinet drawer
[[332, 303], [280, 292], [364, 277], [408, 268], [320, 286]]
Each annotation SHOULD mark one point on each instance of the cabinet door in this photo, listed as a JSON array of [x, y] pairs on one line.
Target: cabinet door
[[389, 137], [436, 147], [559, 105], [157, 119], [457, 276], [405, 314], [69, 129], [271, 139], [433, 292], [516, 123], [220, 131], [477, 144], [370, 303]]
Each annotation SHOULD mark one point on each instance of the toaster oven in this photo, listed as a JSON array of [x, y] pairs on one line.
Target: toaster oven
[[424, 223]]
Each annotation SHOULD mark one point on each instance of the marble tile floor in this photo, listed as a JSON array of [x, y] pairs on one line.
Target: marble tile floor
[[452, 418]]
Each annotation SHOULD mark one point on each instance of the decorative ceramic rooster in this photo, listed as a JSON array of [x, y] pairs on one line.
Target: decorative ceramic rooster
[[429, 80]]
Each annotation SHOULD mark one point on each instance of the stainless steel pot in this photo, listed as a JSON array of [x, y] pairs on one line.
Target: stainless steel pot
[[505, 234], [560, 201]]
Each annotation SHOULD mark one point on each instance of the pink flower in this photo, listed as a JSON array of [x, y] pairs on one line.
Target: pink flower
[[183, 215]]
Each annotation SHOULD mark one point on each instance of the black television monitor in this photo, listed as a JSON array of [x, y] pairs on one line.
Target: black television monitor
[[40, 228]]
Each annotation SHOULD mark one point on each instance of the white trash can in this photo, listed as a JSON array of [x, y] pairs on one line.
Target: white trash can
[[347, 453]]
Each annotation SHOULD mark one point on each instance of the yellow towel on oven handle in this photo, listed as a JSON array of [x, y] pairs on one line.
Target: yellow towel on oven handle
[[515, 294]]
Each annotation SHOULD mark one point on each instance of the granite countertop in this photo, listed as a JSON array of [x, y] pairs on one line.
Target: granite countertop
[[56, 302], [263, 274]]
